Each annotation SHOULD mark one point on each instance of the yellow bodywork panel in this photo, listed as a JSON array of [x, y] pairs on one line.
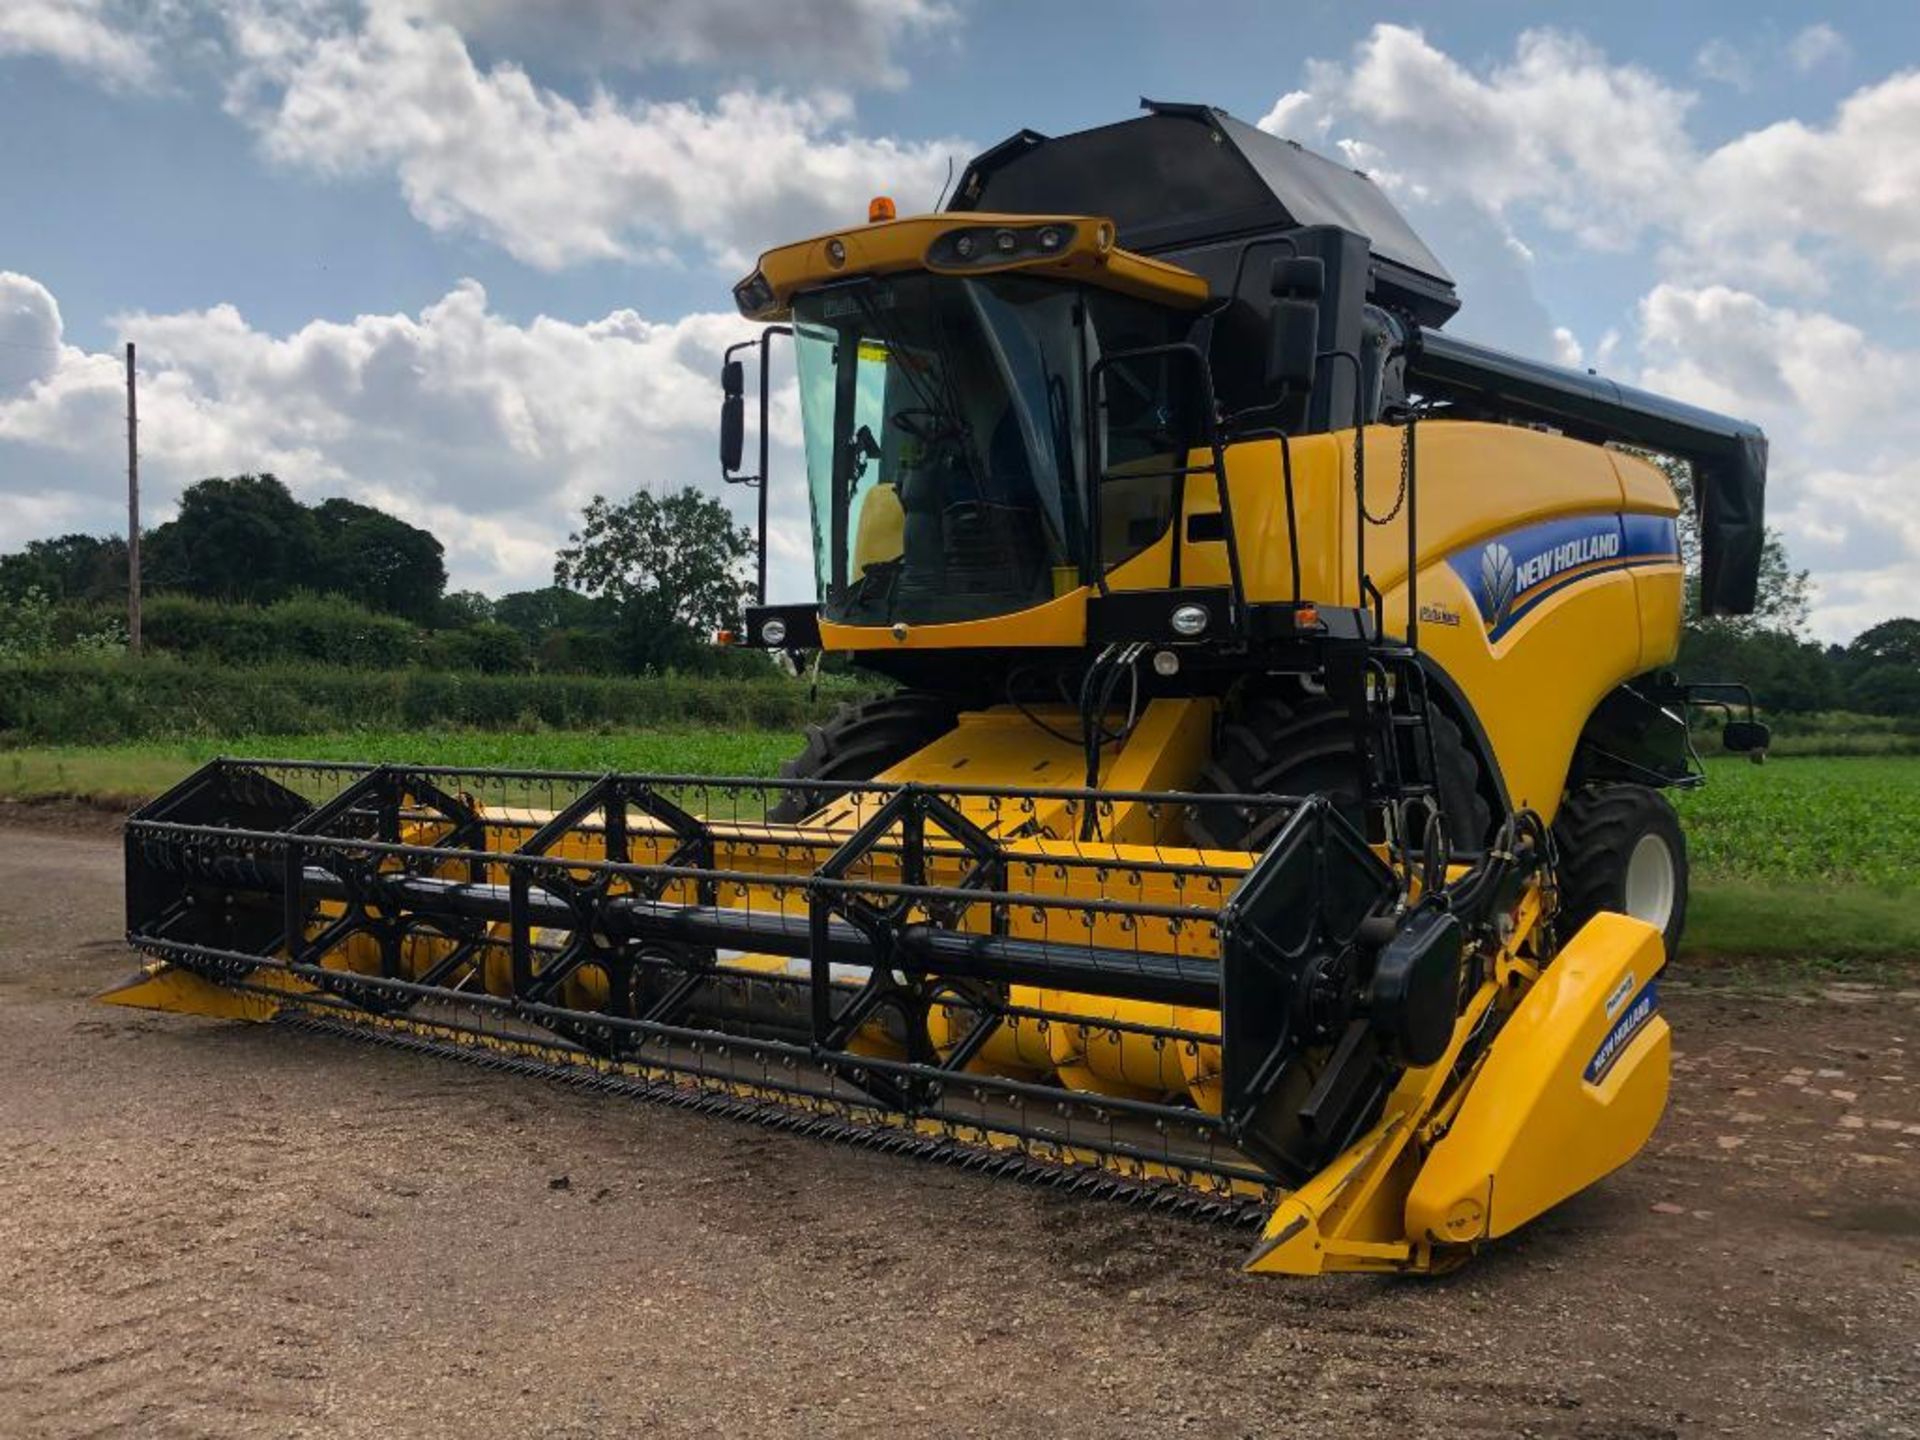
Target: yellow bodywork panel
[[1534, 687], [1569, 1090], [1086, 252]]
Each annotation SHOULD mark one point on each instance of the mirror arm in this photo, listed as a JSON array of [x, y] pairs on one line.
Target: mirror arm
[[758, 480]]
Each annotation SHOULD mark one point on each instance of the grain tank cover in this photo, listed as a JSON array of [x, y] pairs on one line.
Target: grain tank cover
[[1186, 176]]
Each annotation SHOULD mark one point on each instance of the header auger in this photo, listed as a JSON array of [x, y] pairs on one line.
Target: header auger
[[1267, 825]]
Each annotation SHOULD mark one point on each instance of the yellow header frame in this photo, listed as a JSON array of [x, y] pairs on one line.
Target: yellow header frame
[[1085, 251]]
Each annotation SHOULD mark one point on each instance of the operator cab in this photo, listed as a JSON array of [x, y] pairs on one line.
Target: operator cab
[[946, 440]]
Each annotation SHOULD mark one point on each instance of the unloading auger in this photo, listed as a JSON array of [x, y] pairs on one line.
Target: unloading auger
[[1266, 825]]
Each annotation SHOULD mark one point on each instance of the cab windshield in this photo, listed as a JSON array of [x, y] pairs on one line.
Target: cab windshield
[[946, 436]]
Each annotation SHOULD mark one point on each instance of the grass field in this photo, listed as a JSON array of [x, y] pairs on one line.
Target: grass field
[[1814, 858], [1835, 818], [116, 774], [1810, 857]]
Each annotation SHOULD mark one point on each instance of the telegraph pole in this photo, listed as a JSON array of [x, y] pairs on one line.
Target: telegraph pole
[[133, 513]]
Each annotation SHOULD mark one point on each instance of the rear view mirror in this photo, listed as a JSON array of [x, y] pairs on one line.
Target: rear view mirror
[[1745, 737], [1293, 344], [733, 416], [1298, 277], [1293, 322]]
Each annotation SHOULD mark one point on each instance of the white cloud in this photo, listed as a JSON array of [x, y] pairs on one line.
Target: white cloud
[[1844, 483], [1817, 45], [30, 329], [555, 177], [553, 180], [836, 43], [1720, 59], [1732, 350], [1298, 115], [99, 38], [1595, 146], [492, 434], [1563, 137], [1855, 181], [1740, 65]]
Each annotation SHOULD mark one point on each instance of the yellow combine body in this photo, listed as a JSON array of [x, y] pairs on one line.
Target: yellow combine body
[[1267, 822]]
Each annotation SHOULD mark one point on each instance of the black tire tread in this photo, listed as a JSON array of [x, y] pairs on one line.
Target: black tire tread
[[1305, 746]]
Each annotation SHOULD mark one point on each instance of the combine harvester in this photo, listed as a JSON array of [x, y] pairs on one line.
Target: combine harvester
[[1268, 824]]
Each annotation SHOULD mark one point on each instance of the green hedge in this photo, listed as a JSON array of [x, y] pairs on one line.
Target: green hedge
[[488, 648], [322, 628], [1823, 732], [77, 700]]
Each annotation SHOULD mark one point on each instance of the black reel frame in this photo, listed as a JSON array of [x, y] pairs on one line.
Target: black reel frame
[[228, 874]]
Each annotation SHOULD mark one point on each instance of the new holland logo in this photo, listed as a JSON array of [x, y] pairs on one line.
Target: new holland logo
[[1630, 1024], [1556, 560], [1498, 577], [1508, 576]]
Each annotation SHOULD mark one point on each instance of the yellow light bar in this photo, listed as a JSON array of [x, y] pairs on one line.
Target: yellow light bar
[[1068, 246]]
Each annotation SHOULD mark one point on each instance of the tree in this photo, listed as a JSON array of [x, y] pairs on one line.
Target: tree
[[378, 559], [1786, 673], [1882, 668], [535, 612], [1891, 642], [1885, 690], [674, 567], [462, 610], [68, 567], [244, 538]]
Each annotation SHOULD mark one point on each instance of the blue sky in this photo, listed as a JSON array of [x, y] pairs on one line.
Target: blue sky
[[474, 265]]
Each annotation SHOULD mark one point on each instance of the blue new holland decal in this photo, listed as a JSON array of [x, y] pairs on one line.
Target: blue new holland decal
[[1510, 574], [1631, 1022]]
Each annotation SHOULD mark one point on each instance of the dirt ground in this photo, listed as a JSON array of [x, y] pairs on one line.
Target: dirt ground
[[213, 1228]]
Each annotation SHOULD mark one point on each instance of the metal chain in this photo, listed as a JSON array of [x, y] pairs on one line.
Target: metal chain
[[1406, 474]]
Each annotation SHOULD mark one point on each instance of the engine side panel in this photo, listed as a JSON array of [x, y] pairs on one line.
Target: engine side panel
[[1549, 569]]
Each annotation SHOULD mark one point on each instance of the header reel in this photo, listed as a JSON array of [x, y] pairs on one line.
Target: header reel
[[950, 966]]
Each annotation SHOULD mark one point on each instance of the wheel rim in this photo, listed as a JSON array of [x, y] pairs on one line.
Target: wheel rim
[[1651, 881]]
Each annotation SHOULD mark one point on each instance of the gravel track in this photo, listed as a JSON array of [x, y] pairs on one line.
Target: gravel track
[[211, 1228]]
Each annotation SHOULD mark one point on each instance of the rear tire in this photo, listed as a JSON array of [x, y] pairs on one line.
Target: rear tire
[[857, 743], [1622, 849]]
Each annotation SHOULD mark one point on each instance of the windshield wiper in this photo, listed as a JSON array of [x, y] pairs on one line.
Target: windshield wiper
[[941, 405]]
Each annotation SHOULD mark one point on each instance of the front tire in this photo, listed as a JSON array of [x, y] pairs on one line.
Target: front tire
[[1622, 849], [1302, 744], [858, 743], [1305, 745]]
